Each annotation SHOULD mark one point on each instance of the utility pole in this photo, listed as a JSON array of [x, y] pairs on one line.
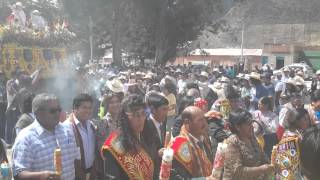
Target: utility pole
[[91, 40], [242, 59]]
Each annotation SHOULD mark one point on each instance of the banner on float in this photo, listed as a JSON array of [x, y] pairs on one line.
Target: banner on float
[[52, 60]]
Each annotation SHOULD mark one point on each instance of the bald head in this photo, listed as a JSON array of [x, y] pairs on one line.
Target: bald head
[[194, 121]]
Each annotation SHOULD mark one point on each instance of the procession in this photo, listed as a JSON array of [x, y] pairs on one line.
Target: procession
[[145, 113]]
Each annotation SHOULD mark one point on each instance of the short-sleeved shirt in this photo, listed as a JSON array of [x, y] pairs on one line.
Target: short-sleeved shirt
[[172, 104], [34, 149]]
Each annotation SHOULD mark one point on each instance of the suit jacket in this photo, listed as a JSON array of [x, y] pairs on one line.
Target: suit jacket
[[154, 144], [79, 164]]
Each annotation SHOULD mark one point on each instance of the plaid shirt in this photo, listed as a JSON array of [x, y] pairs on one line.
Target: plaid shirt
[[34, 149]]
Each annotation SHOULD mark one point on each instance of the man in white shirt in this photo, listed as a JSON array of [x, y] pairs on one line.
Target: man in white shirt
[[84, 133], [182, 83], [37, 21], [19, 15]]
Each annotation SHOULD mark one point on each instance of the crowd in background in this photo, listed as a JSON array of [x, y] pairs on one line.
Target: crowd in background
[[221, 122]]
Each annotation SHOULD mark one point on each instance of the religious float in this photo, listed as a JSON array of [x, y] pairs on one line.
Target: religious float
[[30, 42]]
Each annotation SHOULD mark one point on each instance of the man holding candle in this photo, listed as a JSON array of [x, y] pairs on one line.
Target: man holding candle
[[34, 148]]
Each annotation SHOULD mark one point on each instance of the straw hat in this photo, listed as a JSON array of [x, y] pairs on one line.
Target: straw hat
[[215, 70], [19, 4], [240, 75], [205, 74], [115, 85], [122, 77], [36, 12], [147, 76], [286, 69], [255, 75], [224, 79]]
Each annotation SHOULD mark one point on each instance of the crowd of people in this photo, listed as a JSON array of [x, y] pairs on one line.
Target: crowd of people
[[220, 122]]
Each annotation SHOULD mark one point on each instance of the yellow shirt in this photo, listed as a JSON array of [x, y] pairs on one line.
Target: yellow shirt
[[172, 104]]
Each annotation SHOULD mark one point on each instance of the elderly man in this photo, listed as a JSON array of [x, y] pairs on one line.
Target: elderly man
[[192, 153], [33, 150]]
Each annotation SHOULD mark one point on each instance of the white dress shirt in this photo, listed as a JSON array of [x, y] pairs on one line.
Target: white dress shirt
[[157, 125], [88, 141]]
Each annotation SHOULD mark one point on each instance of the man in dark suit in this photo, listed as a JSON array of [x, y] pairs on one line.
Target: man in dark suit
[[155, 128]]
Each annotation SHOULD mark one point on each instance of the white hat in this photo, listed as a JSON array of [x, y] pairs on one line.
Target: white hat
[[215, 70], [205, 74], [147, 76], [122, 77], [224, 79], [318, 72], [115, 85], [36, 12], [286, 69], [240, 75], [19, 4], [255, 75]]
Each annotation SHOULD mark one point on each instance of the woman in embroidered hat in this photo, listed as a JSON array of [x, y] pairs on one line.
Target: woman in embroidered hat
[[123, 151]]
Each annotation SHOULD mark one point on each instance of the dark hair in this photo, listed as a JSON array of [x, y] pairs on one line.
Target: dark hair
[[185, 102], [211, 97], [107, 98], [255, 82], [27, 104], [81, 98], [293, 117], [266, 101], [170, 87], [310, 152], [231, 93], [156, 100], [192, 85], [315, 96], [129, 104], [25, 98], [237, 118]]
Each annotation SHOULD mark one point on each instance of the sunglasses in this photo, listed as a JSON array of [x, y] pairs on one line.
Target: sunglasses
[[53, 110]]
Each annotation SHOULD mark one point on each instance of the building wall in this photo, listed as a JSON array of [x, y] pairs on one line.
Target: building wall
[[218, 60], [288, 58]]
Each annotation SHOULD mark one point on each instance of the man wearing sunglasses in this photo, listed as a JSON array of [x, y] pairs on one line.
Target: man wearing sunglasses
[[33, 150], [84, 133]]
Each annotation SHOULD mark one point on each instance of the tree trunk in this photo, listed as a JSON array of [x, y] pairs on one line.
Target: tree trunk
[[116, 34], [166, 43]]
